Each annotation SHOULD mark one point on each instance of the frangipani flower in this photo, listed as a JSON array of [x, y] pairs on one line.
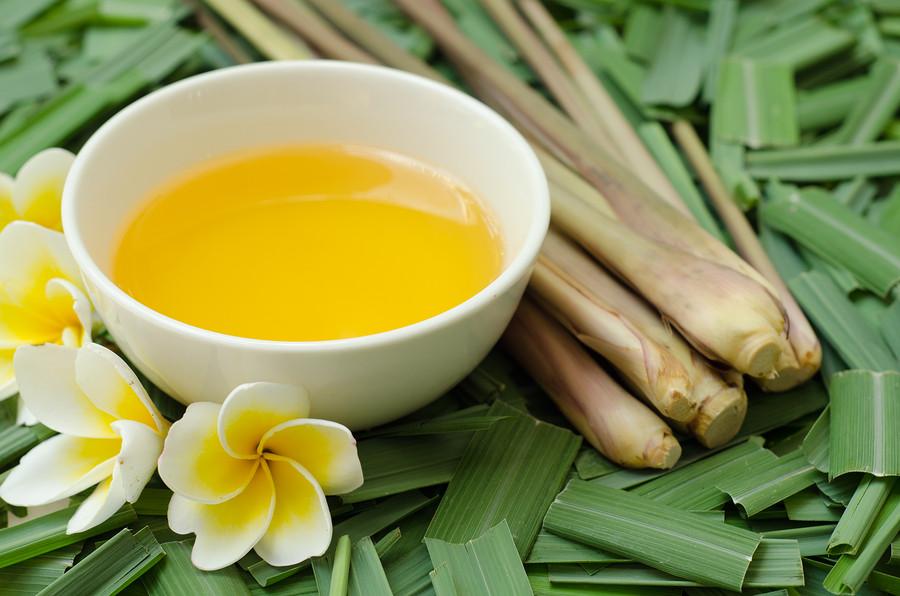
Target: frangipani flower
[[253, 472], [41, 296], [111, 434], [36, 192]]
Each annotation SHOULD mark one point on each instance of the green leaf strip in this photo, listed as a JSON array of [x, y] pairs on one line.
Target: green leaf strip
[[865, 423], [674, 541], [758, 490], [488, 565]]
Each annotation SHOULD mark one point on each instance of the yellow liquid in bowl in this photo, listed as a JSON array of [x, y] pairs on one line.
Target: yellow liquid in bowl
[[308, 243]]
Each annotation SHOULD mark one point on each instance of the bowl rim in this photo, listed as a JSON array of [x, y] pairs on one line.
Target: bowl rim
[[517, 268]]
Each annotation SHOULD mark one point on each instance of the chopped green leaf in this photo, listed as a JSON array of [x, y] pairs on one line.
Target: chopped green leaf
[[590, 464], [851, 571], [669, 539], [408, 574], [828, 105], [48, 532], [511, 471], [112, 567], [817, 163], [175, 575], [873, 110], [29, 78], [396, 465], [488, 564], [642, 31], [837, 234], [35, 574], [676, 71], [366, 523], [754, 491], [865, 423], [755, 103], [722, 20], [845, 328], [695, 487], [799, 44], [366, 573], [867, 501], [810, 506], [812, 540]]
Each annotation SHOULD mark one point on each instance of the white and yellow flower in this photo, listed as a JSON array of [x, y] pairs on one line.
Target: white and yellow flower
[[41, 296], [111, 434], [253, 472], [36, 192]]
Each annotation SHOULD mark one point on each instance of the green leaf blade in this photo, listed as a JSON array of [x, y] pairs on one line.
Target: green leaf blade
[[511, 471], [489, 564], [865, 423], [669, 539]]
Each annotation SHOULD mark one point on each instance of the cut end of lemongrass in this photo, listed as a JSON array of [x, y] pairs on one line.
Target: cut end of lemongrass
[[617, 424], [661, 454], [788, 378], [720, 417], [792, 374], [651, 370], [676, 396], [760, 356]]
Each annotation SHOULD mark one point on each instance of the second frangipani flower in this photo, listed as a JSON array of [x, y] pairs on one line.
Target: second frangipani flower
[[111, 434], [253, 472]]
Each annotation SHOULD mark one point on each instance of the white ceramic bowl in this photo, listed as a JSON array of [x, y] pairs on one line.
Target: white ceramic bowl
[[360, 381]]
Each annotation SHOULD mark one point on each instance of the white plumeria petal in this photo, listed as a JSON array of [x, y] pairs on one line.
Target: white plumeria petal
[[8, 386], [252, 409], [136, 461], [102, 504], [301, 525], [113, 387], [194, 464], [58, 468], [30, 256], [326, 449], [7, 210], [37, 193], [134, 465], [46, 378], [73, 311], [227, 531]]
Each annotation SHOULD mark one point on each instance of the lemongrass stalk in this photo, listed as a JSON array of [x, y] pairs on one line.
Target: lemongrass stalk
[[635, 203], [268, 38], [315, 30], [647, 365], [560, 86], [721, 404], [614, 422], [211, 25], [806, 348], [628, 145], [562, 179], [724, 314], [373, 40]]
